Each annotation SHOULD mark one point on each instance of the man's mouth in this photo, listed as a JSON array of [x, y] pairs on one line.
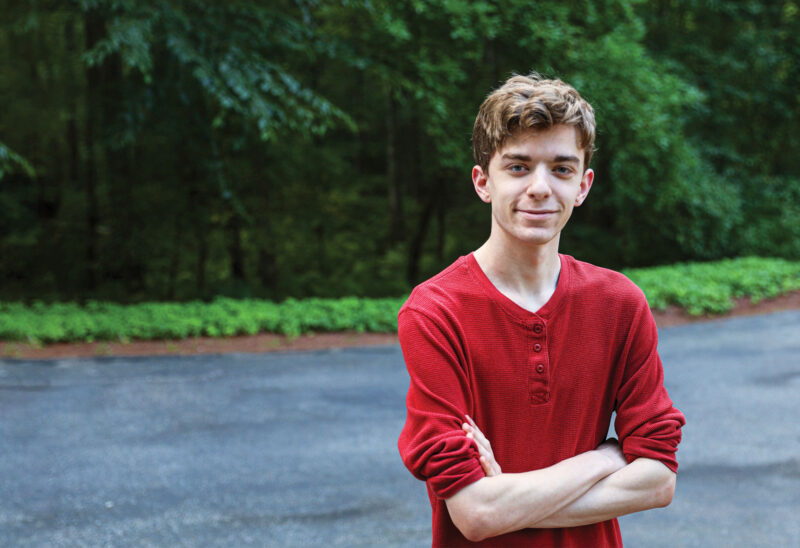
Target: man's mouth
[[534, 213]]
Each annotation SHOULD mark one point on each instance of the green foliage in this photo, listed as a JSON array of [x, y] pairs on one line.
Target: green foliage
[[709, 288], [229, 49], [771, 216], [188, 149], [10, 162], [102, 321], [699, 288]]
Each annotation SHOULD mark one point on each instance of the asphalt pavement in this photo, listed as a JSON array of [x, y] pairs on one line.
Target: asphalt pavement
[[299, 449]]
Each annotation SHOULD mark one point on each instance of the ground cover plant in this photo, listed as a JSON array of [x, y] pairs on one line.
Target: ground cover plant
[[710, 287], [699, 288]]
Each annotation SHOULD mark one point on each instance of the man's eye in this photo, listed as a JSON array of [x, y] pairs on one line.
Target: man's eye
[[517, 168], [563, 170]]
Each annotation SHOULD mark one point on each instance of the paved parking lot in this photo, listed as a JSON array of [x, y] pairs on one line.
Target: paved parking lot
[[300, 449]]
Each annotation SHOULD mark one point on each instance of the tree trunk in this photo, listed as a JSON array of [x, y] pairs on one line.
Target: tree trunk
[[202, 258], [95, 29], [396, 221], [175, 259], [441, 212], [268, 270], [190, 177], [199, 226], [416, 244], [235, 248], [73, 144], [267, 263], [73, 141]]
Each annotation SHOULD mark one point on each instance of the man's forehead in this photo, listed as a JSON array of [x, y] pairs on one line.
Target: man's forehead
[[560, 140]]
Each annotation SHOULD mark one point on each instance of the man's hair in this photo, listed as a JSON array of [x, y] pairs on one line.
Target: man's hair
[[530, 102]]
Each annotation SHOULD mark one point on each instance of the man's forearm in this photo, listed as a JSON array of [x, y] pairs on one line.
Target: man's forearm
[[641, 485], [509, 502]]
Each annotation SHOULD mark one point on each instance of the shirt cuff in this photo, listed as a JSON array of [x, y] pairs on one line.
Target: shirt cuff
[[634, 447], [449, 483]]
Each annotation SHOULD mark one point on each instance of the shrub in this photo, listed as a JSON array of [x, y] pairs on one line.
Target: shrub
[[699, 288]]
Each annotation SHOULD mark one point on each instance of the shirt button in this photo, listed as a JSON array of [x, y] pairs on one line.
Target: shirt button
[[537, 328], [537, 347], [540, 368]]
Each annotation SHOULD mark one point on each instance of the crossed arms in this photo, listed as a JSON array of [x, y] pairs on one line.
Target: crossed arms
[[588, 488], [592, 487]]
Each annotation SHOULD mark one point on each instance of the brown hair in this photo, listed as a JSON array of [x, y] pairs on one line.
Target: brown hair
[[530, 102]]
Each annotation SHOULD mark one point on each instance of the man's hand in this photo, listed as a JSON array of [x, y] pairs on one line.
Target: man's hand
[[487, 460], [501, 502], [609, 448], [644, 484]]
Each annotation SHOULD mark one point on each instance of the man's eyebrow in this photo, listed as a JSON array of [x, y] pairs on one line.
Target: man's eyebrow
[[567, 159], [520, 157], [560, 159]]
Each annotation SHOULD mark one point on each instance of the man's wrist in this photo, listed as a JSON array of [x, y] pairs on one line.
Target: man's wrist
[[610, 453]]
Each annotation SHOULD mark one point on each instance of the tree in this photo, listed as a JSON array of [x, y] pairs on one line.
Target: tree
[[184, 149]]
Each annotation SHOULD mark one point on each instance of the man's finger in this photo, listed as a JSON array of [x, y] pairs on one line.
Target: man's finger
[[482, 449], [486, 455], [487, 467], [475, 434], [479, 437], [490, 466]]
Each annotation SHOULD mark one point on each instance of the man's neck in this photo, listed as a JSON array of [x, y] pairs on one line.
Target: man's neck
[[525, 274]]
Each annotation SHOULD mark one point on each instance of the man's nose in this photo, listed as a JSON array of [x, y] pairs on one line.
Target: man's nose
[[539, 186]]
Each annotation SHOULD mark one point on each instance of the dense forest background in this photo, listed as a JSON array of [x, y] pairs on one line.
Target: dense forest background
[[183, 149]]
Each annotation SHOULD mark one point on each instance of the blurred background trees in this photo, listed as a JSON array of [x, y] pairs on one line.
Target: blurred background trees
[[181, 149]]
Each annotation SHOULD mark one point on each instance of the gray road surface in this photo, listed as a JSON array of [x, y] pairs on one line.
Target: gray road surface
[[300, 449]]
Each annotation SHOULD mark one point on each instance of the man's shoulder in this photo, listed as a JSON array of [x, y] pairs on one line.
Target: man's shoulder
[[446, 291], [603, 284]]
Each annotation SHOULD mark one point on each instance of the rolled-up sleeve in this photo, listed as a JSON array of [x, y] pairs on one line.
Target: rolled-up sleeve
[[647, 423], [432, 445]]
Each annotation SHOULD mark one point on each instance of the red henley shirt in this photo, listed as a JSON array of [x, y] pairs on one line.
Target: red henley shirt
[[542, 386]]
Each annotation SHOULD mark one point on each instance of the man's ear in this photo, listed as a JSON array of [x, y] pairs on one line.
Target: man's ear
[[586, 186], [479, 181]]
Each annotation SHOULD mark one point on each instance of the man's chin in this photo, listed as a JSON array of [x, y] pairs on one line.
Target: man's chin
[[536, 237]]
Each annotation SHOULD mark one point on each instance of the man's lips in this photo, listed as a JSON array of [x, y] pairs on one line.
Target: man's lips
[[536, 212]]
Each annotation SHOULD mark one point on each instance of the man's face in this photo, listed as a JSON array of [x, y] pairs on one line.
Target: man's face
[[533, 182]]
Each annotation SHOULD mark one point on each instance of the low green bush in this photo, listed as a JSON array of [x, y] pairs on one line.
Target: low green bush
[[709, 288], [223, 317], [699, 288]]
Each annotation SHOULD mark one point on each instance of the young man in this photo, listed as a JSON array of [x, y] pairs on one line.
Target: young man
[[533, 350]]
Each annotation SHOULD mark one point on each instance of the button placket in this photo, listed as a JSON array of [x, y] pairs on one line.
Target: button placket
[[539, 386]]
